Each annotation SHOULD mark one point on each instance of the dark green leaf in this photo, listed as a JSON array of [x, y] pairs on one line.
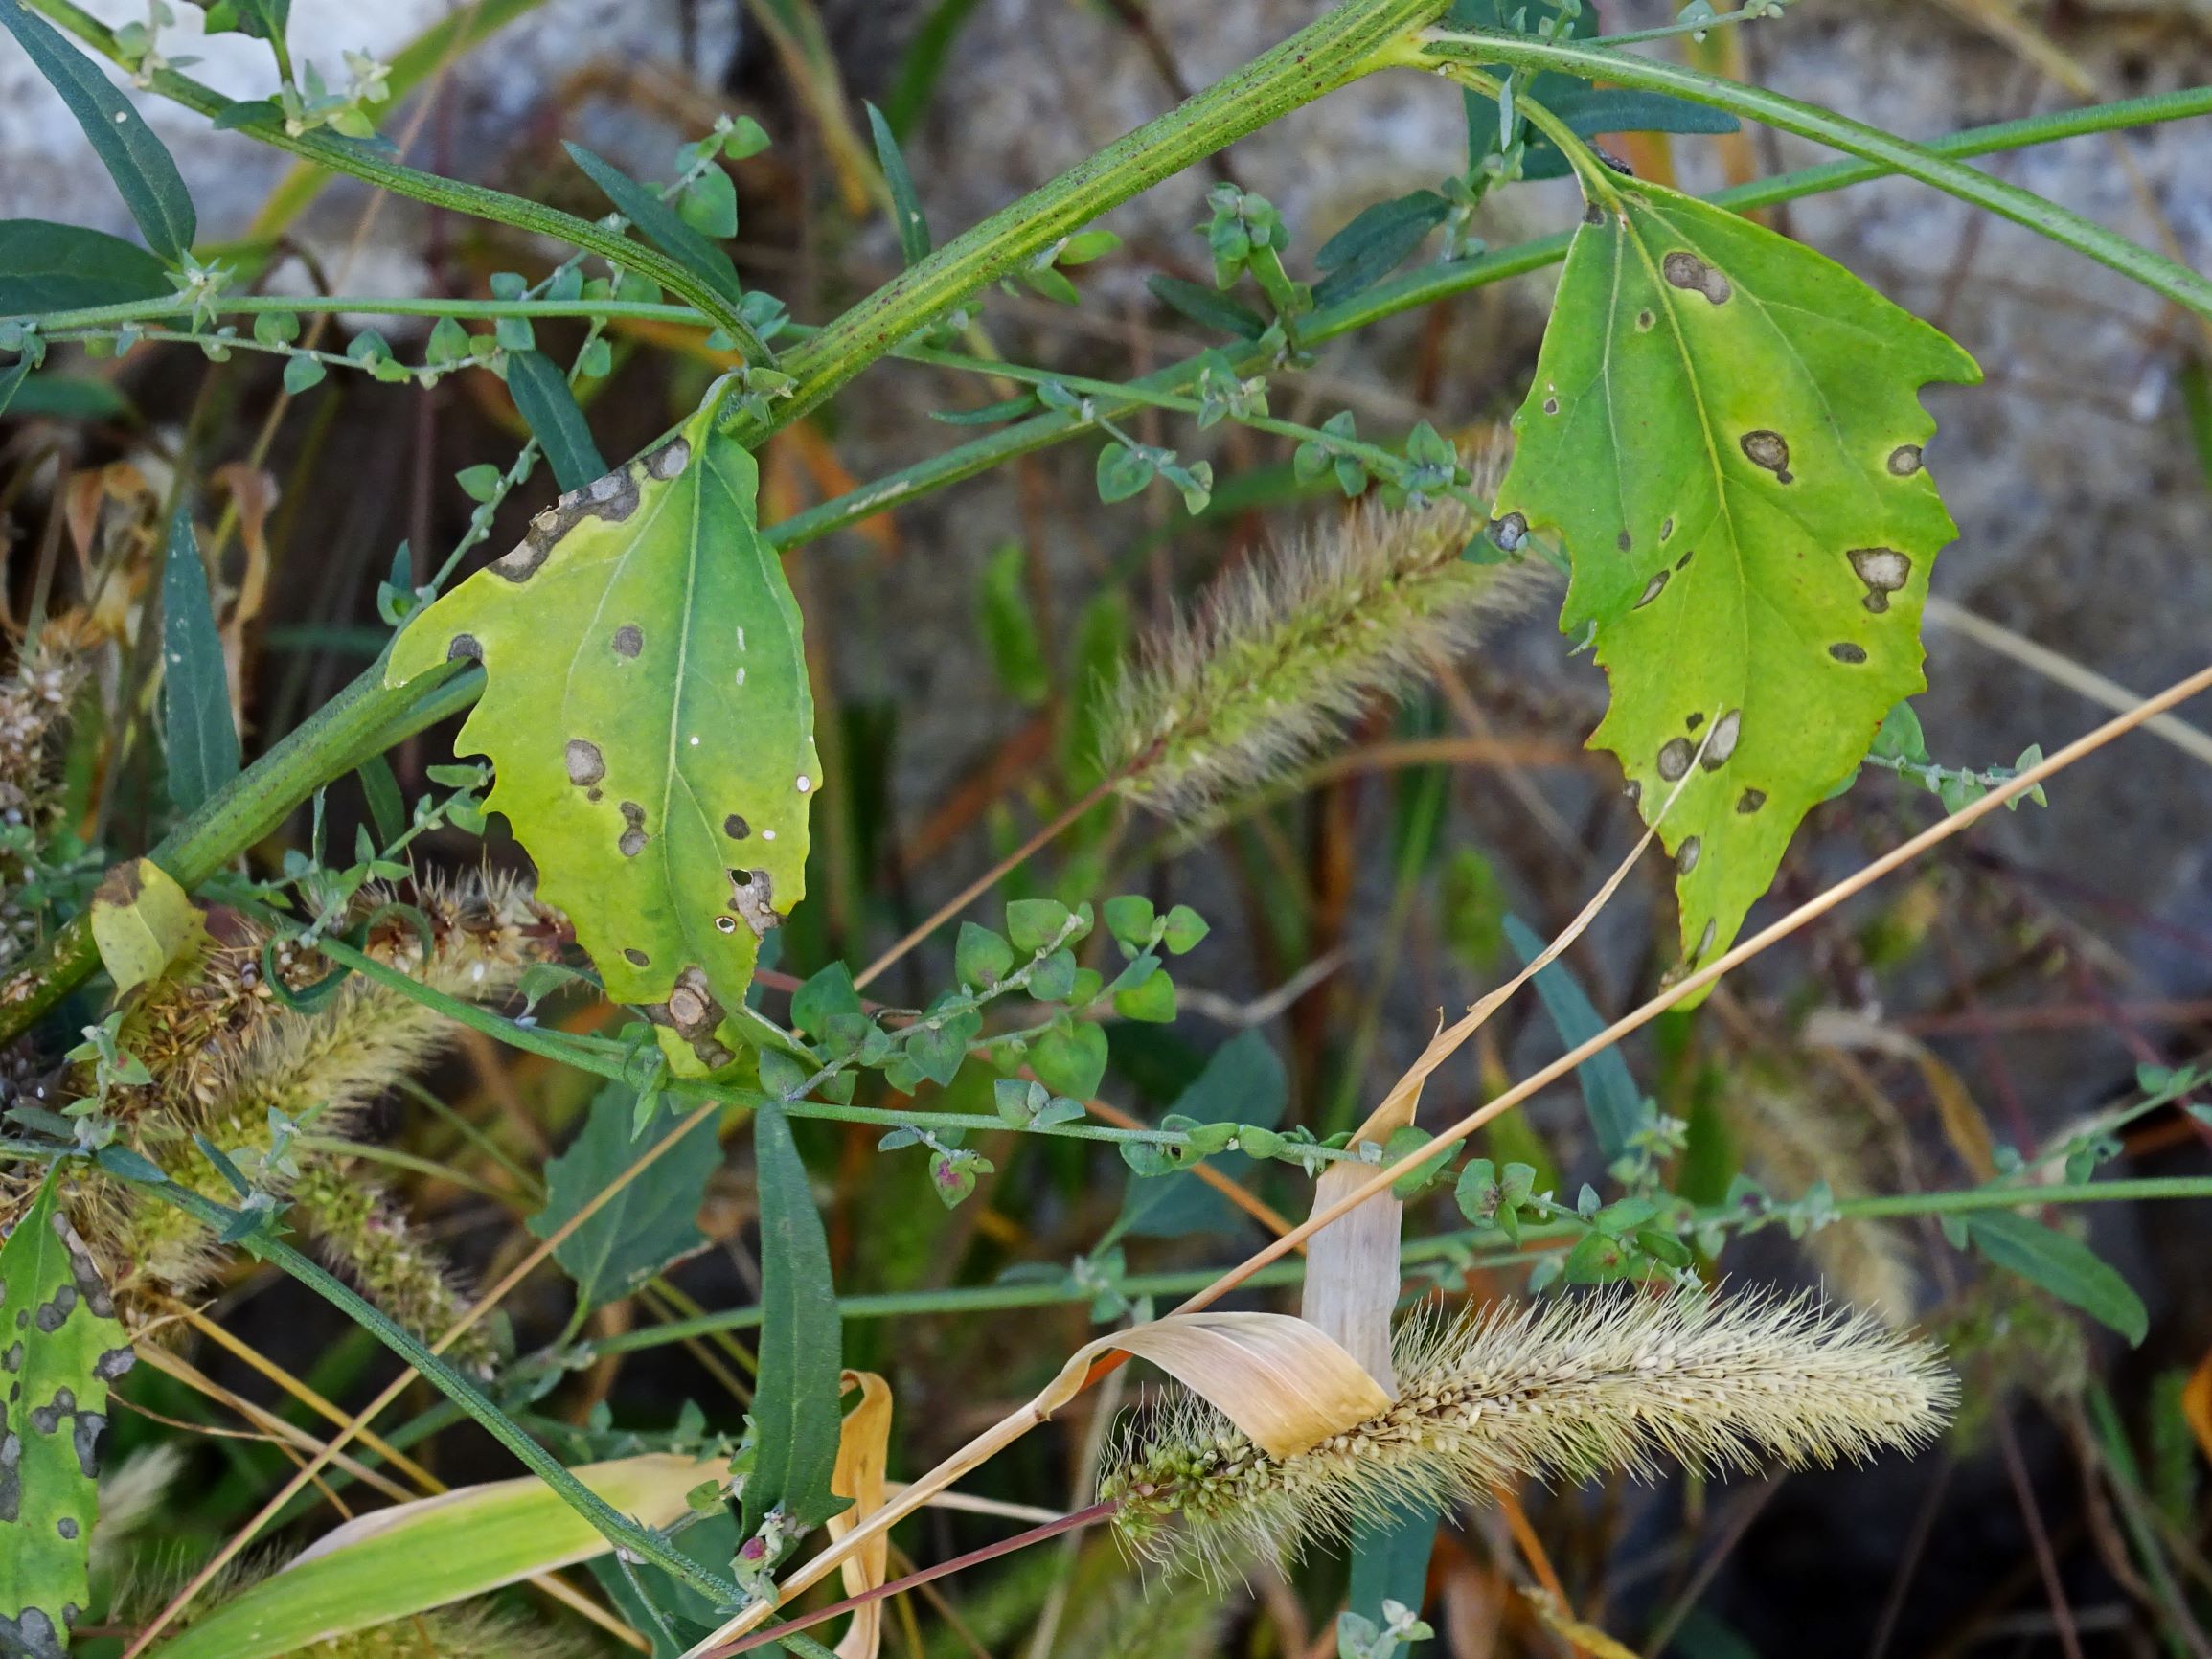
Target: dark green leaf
[[1007, 625], [660, 223], [67, 397], [709, 204], [1070, 1061], [981, 959], [51, 267], [387, 808], [653, 1222], [11, 381], [1033, 923], [1207, 307], [134, 158], [2064, 1266], [1374, 243], [540, 391], [1610, 1095], [1242, 1082], [1390, 1557], [795, 1398], [989, 414], [905, 206], [201, 738]]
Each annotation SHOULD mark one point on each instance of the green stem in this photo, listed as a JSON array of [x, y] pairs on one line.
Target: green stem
[[1338, 47], [2162, 276], [367, 305], [612, 1524], [2015, 1198], [342, 155]]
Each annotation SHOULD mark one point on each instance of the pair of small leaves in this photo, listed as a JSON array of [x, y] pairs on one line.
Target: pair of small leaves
[[1724, 431]]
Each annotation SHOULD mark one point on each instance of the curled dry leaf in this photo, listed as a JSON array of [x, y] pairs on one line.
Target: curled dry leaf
[[863, 1453]]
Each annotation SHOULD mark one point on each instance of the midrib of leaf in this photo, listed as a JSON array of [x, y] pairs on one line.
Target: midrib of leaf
[[681, 684]]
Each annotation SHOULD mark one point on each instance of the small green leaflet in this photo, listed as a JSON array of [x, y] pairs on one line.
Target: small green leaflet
[[796, 1410], [64, 1347], [905, 206], [653, 1222], [2063, 1265], [650, 719], [137, 162], [1725, 432], [198, 734]]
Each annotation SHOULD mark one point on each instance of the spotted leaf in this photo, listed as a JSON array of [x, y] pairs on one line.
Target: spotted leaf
[[1725, 432], [648, 715], [60, 1347]]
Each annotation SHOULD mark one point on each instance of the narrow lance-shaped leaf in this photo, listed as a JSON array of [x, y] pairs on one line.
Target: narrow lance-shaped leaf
[[198, 733], [1614, 1104], [649, 720], [659, 221], [653, 1222], [796, 1396], [541, 395], [62, 1347], [1725, 432], [2063, 1265], [137, 162]]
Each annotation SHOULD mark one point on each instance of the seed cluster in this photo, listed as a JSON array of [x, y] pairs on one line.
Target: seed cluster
[[1561, 1390]]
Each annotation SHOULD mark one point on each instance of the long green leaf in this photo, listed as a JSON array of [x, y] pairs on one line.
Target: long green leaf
[[139, 162], [905, 205], [659, 222], [201, 738], [1609, 1094], [1390, 1556], [63, 1347], [660, 766], [46, 267], [653, 1222], [2063, 1265], [795, 1398], [1725, 430], [394, 1562], [541, 393]]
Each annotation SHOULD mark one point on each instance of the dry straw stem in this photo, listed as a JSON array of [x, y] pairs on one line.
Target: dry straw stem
[[1019, 1423], [1556, 1389], [399, 1384], [1284, 650]]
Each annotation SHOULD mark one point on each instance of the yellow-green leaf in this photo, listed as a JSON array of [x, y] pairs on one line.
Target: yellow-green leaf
[[59, 1349], [648, 717], [141, 922], [416, 1556], [1725, 432]]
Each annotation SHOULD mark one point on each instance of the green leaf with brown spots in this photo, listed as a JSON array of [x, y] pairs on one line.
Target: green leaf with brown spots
[[1724, 431], [60, 1347], [648, 714]]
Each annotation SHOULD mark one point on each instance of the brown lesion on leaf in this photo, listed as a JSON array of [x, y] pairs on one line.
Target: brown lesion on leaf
[[1749, 802], [1769, 451], [1675, 760], [1652, 589], [1905, 461], [736, 827], [633, 835], [628, 639], [753, 896], [1686, 270], [692, 1012], [635, 957], [1722, 744], [1686, 855], [1844, 651], [1884, 570], [463, 646], [669, 458], [612, 498], [586, 765]]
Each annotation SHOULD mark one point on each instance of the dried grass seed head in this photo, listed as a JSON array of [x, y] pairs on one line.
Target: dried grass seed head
[[1556, 1390], [1282, 652]]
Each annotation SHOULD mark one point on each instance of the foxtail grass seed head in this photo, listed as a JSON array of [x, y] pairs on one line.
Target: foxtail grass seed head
[[1618, 1380], [1281, 654]]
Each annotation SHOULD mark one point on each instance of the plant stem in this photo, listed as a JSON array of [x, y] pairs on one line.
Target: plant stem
[[341, 155], [2062, 225], [1338, 47]]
